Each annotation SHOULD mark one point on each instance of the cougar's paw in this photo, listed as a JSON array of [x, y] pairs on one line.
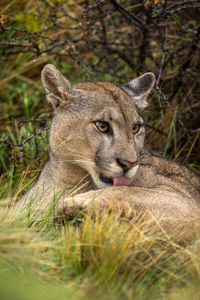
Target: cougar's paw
[[72, 208], [68, 214]]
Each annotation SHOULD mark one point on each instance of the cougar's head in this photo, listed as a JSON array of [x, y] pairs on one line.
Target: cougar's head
[[97, 126]]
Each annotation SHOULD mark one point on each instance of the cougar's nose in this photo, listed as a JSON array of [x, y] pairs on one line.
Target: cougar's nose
[[125, 164]]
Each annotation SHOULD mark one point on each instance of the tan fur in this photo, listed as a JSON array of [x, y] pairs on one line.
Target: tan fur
[[79, 152]]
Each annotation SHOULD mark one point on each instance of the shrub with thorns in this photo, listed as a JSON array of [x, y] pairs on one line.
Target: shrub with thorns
[[107, 40]]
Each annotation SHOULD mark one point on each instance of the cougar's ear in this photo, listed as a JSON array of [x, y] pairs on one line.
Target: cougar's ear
[[56, 85], [139, 88]]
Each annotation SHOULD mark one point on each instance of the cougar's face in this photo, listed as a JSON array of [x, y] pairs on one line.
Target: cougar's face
[[97, 125], [116, 143], [103, 133]]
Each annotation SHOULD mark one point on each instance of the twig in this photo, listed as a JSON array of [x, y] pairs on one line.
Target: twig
[[130, 17], [160, 94]]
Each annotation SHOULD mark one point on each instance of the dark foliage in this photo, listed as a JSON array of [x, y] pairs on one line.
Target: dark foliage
[[114, 41]]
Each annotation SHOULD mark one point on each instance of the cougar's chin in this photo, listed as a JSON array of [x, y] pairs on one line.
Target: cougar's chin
[[117, 179], [101, 181]]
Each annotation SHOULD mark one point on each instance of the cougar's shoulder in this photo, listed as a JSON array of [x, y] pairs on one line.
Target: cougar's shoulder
[[157, 171]]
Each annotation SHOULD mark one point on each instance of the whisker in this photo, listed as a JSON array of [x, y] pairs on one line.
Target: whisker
[[76, 155], [78, 161], [66, 140]]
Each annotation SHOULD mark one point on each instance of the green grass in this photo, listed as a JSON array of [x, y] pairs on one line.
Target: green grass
[[170, 134], [107, 258]]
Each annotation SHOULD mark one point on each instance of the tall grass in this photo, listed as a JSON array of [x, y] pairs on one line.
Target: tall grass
[[109, 257]]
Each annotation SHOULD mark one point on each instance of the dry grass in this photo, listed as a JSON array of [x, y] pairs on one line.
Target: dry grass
[[110, 256]]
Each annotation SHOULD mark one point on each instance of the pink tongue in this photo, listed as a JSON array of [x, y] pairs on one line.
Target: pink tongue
[[123, 180]]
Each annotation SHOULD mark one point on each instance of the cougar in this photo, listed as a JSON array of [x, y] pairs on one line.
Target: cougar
[[97, 154]]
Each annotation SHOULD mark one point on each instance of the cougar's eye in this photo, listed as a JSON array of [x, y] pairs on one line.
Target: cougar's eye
[[102, 126], [136, 129]]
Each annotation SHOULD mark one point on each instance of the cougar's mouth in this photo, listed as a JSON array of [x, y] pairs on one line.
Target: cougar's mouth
[[116, 181], [106, 179]]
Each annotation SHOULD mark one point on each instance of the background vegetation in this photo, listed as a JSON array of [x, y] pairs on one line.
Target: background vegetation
[[95, 40]]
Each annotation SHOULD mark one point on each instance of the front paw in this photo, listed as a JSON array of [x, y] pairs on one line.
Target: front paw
[[67, 212]]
